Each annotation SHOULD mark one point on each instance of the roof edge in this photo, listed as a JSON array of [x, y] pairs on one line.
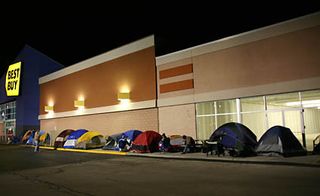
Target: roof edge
[[107, 56], [300, 23]]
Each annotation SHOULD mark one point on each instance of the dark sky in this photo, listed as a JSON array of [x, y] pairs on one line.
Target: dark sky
[[72, 33]]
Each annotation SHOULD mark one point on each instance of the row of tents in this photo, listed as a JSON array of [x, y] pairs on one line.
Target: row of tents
[[146, 141], [29, 135], [139, 141], [233, 137], [239, 140]]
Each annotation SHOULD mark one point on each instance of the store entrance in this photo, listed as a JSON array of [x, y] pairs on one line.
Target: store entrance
[[7, 121]]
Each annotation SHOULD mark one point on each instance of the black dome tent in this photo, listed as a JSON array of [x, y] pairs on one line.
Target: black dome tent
[[279, 140], [237, 138]]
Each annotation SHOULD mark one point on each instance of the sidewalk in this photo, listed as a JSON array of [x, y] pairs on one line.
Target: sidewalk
[[306, 161], [309, 160]]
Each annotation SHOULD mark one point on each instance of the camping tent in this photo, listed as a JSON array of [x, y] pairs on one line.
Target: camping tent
[[26, 136], [238, 139], [62, 137], [316, 145], [90, 139], [147, 141], [44, 139], [177, 142], [112, 142], [73, 137], [279, 140], [132, 134], [30, 138]]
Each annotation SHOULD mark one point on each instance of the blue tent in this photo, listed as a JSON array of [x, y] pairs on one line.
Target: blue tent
[[30, 139], [237, 138], [73, 137], [279, 140], [132, 134]]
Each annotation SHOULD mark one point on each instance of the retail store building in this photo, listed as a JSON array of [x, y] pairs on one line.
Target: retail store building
[[19, 110], [265, 77], [86, 95]]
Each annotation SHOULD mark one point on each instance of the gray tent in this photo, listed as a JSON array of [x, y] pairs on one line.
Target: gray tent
[[279, 140], [112, 142]]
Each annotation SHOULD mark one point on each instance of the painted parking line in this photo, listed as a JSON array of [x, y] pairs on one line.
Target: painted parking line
[[46, 147], [80, 150], [93, 151]]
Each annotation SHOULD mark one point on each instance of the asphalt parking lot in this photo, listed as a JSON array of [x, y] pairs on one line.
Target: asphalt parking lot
[[70, 173]]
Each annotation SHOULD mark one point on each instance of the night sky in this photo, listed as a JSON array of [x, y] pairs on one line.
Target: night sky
[[72, 33]]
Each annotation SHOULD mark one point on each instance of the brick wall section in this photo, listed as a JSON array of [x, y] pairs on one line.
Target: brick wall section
[[178, 120], [106, 124]]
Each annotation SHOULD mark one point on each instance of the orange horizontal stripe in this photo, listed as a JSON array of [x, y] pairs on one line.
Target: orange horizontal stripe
[[175, 86], [176, 71]]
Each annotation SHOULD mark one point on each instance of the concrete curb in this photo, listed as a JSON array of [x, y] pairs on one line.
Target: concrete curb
[[224, 160]]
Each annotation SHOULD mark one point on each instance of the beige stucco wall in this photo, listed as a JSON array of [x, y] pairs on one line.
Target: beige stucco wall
[[282, 63], [178, 120], [289, 57], [106, 124]]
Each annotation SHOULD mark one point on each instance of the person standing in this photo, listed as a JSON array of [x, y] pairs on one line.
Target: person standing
[[36, 140]]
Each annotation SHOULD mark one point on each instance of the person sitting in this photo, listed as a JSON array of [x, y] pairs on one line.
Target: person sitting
[[123, 143], [189, 144], [164, 144]]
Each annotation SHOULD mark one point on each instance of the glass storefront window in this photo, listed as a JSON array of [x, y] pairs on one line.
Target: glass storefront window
[[256, 122], [8, 117], [226, 106], [222, 119], [252, 104], [206, 108], [211, 115], [311, 103], [205, 119], [299, 111], [283, 101], [205, 127]]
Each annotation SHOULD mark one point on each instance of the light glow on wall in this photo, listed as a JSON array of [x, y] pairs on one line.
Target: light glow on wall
[[124, 89], [306, 104]]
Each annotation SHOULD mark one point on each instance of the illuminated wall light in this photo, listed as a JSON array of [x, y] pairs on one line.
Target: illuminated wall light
[[79, 103], [48, 108], [123, 96]]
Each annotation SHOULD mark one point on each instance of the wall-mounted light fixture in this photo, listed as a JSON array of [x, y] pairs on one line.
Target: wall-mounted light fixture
[[79, 103], [123, 96], [48, 108]]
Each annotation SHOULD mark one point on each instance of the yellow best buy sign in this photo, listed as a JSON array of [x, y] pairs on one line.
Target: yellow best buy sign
[[13, 79]]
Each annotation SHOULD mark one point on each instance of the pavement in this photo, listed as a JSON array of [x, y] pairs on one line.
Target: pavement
[[305, 161]]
